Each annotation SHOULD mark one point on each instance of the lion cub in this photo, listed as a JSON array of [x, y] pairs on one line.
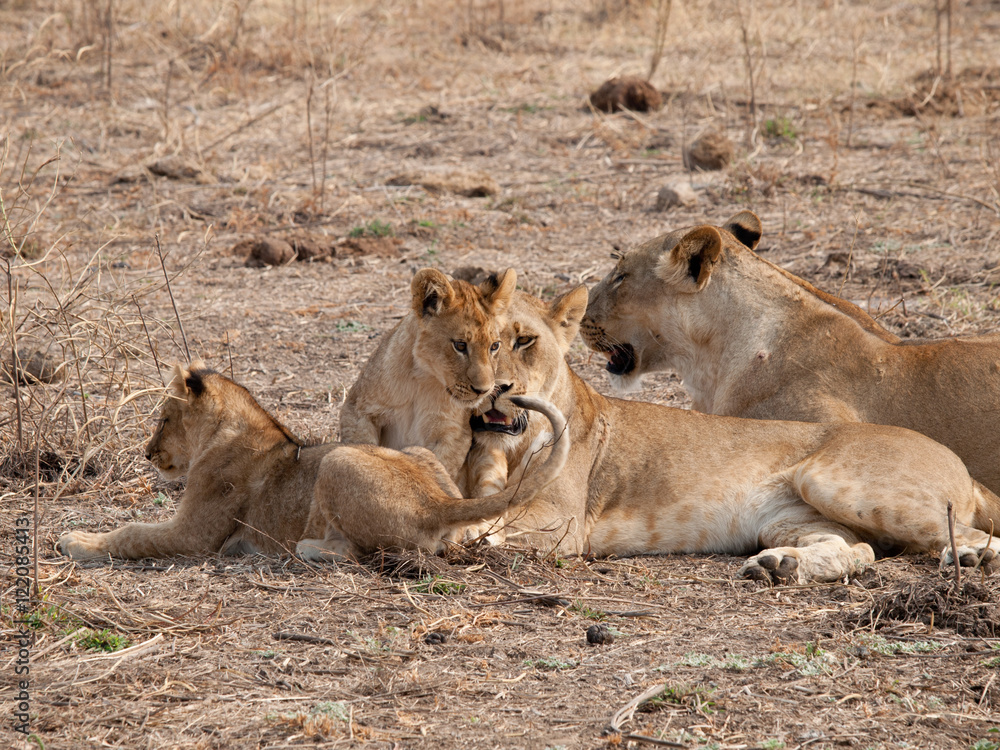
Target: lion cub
[[428, 374], [254, 488]]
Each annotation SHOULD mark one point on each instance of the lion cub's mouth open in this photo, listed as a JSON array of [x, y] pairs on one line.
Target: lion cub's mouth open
[[621, 359], [496, 421]]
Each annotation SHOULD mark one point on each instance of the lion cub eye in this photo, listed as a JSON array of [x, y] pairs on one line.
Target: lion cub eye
[[460, 346], [494, 347], [523, 341]]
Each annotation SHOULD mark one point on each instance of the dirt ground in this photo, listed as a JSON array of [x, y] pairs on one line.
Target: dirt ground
[[378, 138]]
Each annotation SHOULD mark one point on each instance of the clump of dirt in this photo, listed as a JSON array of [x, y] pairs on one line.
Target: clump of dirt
[[264, 251], [51, 465], [974, 610], [32, 367], [380, 247], [709, 152], [972, 91], [470, 183], [627, 92]]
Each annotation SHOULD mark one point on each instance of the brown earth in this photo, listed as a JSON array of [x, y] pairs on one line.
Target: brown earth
[[196, 126]]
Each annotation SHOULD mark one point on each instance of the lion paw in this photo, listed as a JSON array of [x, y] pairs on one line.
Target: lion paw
[[81, 545], [320, 550], [771, 566], [491, 532], [969, 557]]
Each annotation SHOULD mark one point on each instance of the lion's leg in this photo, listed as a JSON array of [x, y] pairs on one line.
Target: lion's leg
[[333, 548], [178, 536], [486, 468], [906, 505], [802, 546]]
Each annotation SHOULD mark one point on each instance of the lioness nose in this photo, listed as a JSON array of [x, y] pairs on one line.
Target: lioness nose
[[479, 391]]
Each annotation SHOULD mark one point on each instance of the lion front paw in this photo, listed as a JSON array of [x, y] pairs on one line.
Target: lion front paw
[[81, 545], [772, 566]]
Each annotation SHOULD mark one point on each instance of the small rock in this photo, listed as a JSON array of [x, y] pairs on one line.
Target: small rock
[[628, 92], [475, 275], [178, 168], [709, 152], [265, 251], [600, 635], [675, 194]]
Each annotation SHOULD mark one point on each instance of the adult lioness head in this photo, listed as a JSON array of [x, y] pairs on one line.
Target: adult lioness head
[[535, 340], [665, 276], [459, 325]]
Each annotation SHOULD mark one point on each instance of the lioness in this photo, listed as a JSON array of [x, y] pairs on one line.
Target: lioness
[[428, 374], [749, 339], [643, 478], [253, 487]]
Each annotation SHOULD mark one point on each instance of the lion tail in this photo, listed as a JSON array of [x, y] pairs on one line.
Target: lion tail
[[523, 485], [987, 517]]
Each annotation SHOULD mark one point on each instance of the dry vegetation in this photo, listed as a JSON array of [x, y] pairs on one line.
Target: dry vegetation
[[385, 136]]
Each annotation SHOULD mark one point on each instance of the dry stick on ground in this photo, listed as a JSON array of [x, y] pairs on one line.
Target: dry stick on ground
[[626, 712], [309, 130], [14, 359], [142, 319], [663, 8], [38, 441], [170, 291], [748, 58], [954, 549]]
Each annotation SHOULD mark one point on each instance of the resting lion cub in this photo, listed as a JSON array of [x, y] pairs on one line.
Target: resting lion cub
[[253, 487], [428, 374], [749, 339], [643, 478]]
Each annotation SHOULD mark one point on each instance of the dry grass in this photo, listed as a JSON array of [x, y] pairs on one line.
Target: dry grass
[[289, 119]]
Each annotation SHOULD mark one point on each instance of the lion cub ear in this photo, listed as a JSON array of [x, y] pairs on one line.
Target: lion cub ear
[[691, 261], [565, 314], [432, 292], [498, 291], [745, 227]]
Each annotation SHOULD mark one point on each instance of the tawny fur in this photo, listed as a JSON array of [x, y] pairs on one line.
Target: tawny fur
[[252, 487], [749, 339], [644, 478]]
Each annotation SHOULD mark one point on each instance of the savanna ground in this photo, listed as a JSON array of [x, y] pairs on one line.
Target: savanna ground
[[353, 130]]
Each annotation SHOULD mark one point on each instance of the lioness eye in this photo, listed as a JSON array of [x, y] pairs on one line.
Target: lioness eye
[[459, 346], [523, 341], [495, 346], [619, 278]]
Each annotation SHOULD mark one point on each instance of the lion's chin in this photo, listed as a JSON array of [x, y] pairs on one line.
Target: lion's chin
[[623, 384]]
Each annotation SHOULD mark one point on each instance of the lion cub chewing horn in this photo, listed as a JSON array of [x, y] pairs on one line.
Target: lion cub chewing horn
[[429, 372], [252, 487], [749, 339]]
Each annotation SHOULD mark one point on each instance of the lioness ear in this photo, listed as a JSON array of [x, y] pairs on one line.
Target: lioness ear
[[692, 259], [498, 291], [431, 292], [566, 312], [745, 227]]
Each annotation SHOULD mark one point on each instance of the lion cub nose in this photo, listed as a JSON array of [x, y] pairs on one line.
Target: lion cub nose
[[479, 391]]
